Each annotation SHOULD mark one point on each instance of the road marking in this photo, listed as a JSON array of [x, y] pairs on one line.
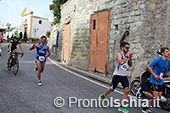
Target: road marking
[[86, 78], [33, 62]]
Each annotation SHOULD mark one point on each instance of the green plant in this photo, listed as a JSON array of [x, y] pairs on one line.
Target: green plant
[[106, 72], [57, 11], [33, 39], [16, 32], [48, 34]]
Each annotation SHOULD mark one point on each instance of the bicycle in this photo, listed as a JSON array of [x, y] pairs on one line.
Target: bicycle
[[13, 62]]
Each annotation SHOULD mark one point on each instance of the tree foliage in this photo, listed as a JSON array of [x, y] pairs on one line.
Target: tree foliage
[[57, 11], [48, 34], [16, 32]]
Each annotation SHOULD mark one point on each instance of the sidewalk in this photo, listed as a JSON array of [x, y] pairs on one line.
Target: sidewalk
[[96, 76]]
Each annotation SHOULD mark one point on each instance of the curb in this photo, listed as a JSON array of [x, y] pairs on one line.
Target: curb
[[88, 74], [97, 77]]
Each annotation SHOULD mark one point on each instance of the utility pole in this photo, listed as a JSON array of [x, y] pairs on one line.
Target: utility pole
[[8, 25]]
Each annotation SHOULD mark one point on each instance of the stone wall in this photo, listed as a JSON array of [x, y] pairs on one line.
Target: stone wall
[[79, 12], [126, 14], [147, 20]]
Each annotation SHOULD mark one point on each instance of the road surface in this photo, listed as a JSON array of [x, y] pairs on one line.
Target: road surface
[[21, 94]]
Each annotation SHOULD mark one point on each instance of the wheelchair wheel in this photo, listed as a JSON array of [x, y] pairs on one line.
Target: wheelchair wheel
[[135, 85]]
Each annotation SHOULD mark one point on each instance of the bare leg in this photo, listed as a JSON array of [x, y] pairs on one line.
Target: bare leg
[[9, 57], [42, 67], [16, 52], [155, 95], [126, 92], [149, 95], [39, 65], [160, 94], [108, 91]]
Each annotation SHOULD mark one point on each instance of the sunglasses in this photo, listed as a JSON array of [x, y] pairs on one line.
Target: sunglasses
[[127, 47]]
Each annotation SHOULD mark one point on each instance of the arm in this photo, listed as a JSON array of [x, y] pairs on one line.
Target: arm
[[130, 58], [167, 73], [120, 60], [34, 46], [149, 68], [49, 53], [10, 45], [130, 62]]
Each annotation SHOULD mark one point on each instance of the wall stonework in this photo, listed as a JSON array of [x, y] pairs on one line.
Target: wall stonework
[[148, 22]]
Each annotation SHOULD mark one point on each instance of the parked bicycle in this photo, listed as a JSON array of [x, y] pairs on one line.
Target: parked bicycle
[[14, 63]]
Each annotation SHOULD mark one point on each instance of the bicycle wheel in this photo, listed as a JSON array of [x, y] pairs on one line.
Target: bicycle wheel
[[10, 64], [16, 67], [134, 86]]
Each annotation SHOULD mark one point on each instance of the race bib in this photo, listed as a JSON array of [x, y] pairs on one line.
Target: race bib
[[41, 58], [161, 75], [124, 67]]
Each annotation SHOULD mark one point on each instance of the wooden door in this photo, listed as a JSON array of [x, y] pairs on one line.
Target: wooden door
[[99, 41], [66, 42]]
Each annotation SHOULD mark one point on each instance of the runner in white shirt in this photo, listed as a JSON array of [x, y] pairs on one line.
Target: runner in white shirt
[[123, 59]]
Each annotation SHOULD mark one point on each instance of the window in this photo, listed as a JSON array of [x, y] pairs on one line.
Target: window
[[116, 27], [40, 21], [94, 24]]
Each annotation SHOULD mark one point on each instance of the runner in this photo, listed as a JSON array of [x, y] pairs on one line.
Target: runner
[[123, 59], [41, 56], [157, 68]]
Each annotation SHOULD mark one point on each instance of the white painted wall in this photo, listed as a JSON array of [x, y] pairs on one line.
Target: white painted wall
[[40, 29], [28, 26]]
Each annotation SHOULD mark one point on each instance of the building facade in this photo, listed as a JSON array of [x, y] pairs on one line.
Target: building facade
[[90, 32], [34, 26]]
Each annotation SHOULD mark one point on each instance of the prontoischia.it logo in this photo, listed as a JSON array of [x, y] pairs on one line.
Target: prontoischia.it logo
[[97, 103]]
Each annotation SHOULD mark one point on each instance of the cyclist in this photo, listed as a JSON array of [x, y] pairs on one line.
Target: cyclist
[[41, 56], [123, 59], [1, 40], [12, 47]]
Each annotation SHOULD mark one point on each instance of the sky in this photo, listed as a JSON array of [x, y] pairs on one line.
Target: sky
[[11, 10]]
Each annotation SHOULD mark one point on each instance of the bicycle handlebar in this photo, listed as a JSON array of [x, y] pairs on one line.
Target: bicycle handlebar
[[18, 53]]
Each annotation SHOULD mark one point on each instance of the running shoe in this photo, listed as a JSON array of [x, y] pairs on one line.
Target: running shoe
[[146, 111], [7, 65], [101, 97], [39, 83], [35, 69], [122, 109]]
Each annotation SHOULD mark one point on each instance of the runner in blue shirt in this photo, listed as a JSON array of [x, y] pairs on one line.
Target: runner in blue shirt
[[158, 67], [41, 56]]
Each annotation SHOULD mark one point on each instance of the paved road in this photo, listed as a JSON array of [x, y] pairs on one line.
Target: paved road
[[21, 94]]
